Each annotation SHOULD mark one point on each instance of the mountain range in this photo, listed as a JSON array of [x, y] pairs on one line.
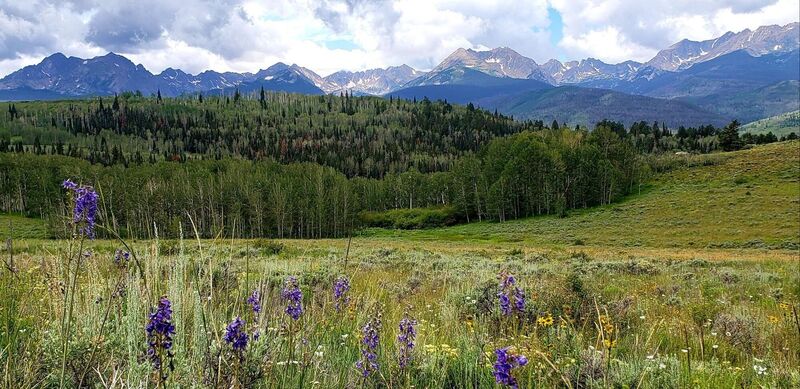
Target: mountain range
[[715, 77]]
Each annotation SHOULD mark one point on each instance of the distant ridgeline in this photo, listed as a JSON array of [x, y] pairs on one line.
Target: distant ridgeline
[[284, 165]]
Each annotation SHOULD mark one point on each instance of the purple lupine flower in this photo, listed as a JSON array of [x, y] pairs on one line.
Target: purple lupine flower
[[85, 208], [506, 362], [294, 298], [370, 338], [255, 302], [519, 299], [340, 288], [69, 185], [505, 304], [159, 336], [405, 339], [235, 334], [508, 286], [121, 257]]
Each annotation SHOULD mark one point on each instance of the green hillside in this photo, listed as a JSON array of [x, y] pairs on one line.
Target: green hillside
[[585, 106], [752, 104], [18, 227], [745, 199], [779, 125]]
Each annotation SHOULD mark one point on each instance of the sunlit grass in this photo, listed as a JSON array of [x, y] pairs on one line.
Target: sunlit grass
[[748, 199], [660, 301]]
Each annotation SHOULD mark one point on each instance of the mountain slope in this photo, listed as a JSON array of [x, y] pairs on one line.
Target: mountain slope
[[585, 106], [499, 62], [574, 72], [751, 105], [74, 76], [779, 125], [530, 99], [465, 85], [373, 81], [58, 76], [752, 194], [765, 39], [733, 71]]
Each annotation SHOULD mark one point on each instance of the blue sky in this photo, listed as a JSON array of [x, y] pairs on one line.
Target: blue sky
[[330, 35]]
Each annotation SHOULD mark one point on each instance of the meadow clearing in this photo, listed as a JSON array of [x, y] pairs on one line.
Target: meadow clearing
[[693, 282]]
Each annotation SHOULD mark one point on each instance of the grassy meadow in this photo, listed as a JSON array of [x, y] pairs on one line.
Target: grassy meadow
[[693, 282], [780, 125]]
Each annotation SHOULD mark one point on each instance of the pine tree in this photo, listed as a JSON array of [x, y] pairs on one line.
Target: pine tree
[[729, 137]]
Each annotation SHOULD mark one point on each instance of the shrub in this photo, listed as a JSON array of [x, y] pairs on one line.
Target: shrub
[[410, 219]]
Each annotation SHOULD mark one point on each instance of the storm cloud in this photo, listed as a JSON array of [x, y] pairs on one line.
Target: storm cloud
[[328, 35]]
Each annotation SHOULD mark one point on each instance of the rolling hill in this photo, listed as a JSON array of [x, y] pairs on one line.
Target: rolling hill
[[530, 99], [753, 194], [587, 106], [779, 125]]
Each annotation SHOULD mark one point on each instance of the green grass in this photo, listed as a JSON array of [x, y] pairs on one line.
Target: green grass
[[726, 313], [779, 125], [693, 282], [745, 199], [20, 227]]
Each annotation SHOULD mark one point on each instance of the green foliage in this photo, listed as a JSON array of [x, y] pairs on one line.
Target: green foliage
[[692, 202], [780, 125], [729, 137], [359, 136], [663, 327], [413, 218], [527, 174], [16, 227]]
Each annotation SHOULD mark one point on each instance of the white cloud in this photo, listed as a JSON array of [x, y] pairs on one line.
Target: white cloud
[[329, 35], [638, 29]]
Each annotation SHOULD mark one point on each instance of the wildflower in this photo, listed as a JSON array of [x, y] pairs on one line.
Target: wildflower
[[405, 339], [470, 322], [159, 336], [545, 321], [519, 299], [294, 297], [254, 301], [773, 319], [369, 346], [506, 362], [784, 306], [85, 207], [121, 258], [508, 287], [235, 334], [340, 288], [760, 370], [610, 343]]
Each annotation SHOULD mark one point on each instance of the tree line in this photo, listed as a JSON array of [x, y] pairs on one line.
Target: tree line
[[283, 165], [359, 136], [530, 173]]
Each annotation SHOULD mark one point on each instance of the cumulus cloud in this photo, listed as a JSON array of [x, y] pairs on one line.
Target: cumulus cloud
[[329, 35], [638, 29]]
